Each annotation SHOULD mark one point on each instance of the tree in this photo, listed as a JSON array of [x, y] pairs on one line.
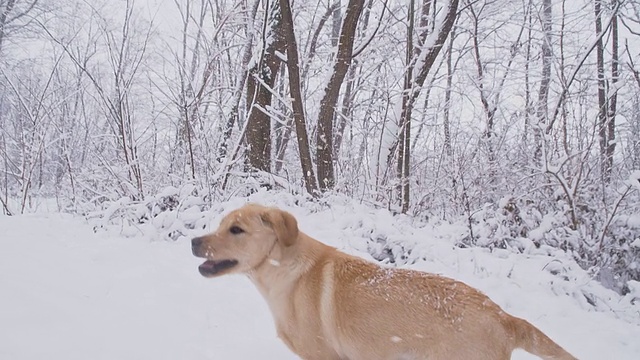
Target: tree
[[125, 51], [490, 95], [12, 14], [607, 92], [284, 133], [543, 91], [293, 67], [420, 59], [343, 59], [262, 77], [239, 85], [14, 18]]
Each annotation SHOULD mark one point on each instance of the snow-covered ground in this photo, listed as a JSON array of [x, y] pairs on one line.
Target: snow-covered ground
[[69, 293]]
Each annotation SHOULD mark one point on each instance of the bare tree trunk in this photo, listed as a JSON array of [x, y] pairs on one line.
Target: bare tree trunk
[[346, 110], [565, 88], [602, 91], [293, 66], [635, 121], [260, 84], [607, 95], [186, 93], [282, 128], [612, 98], [192, 98], [489, 109], [543, 92], [286, 128], [527, 85], [5, 199], [563, 78], [232, 120], [404, 138], [447, 98], [418, 67], [324, 135]]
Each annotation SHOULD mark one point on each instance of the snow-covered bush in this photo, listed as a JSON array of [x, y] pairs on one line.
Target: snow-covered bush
[[604, 240], [170, 214]]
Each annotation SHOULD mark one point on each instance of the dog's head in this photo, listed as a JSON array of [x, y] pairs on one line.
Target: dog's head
[[246, 238]]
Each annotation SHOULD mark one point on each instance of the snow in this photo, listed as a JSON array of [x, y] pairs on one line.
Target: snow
[[70, 293], [396, 339], [546, 225]]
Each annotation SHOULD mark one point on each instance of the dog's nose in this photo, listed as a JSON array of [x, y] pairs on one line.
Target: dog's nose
[[196, 242]]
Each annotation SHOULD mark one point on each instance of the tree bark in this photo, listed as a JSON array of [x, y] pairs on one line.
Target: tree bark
[[612, 99], [602, 96], [527, 82], [418, 68], [404, 139], [324, 135], [543, 92], [293, 67], [447, 99], [260, 83], [607, 95], [241, 79]]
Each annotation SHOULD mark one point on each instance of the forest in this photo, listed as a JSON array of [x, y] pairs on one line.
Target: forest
[[519, 119]]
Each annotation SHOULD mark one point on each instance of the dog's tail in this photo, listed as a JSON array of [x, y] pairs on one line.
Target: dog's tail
[[530, 339]]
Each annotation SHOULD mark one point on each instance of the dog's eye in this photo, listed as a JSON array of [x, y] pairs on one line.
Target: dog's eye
[[236, 230]]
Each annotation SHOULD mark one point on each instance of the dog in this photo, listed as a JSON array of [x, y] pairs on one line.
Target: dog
[[330, 305]]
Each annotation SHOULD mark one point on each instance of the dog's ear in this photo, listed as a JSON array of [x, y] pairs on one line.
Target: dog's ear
[[283, 224]]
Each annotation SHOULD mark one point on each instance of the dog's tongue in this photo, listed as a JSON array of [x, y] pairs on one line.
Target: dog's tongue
[[208, 266], [211, 267]]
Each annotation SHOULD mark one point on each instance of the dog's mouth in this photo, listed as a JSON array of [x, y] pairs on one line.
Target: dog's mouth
[[213, 267]]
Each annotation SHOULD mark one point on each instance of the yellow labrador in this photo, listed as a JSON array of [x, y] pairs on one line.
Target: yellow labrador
[[330, 305]]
